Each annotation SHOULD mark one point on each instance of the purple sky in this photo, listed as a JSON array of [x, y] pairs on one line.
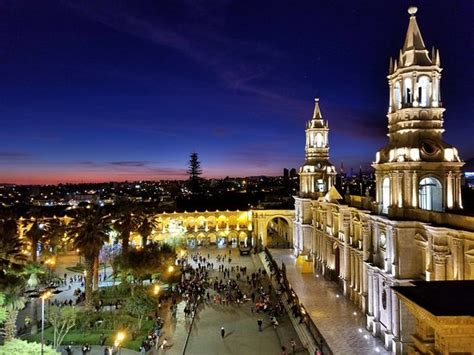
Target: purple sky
[[126, 90]]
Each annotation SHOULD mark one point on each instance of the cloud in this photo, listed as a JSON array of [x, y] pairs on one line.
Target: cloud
[[237, 63], [133, 164], [13, 156]]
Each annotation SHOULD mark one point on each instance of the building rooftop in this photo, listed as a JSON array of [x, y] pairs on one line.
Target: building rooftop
[[441, 298]]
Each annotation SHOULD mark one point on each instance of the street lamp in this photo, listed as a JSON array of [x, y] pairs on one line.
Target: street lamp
[[44, 296], [156, 290], [118, 340]]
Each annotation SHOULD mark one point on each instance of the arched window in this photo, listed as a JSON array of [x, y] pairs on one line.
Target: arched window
[[320, 185], [408, 97], [424, 91], [319, 140], [430, 194], [385, 194], [396, 95]]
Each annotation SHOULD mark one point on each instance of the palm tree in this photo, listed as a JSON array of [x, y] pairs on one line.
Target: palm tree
[[125, 221], [35, 235], [146, 225], [55, 234], [32, 271], [92, 233], [12, 249], [13, 303]]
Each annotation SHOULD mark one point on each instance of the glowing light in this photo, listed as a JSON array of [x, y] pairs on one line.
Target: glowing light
[[171, 268], [449, 154], [360, 330], [46, 295], [156, 289], [415, 154], [120, 337]]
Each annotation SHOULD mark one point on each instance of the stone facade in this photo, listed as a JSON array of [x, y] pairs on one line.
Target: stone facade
[[366, 252]]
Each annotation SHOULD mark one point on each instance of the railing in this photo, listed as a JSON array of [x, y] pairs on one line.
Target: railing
[[296, 306]]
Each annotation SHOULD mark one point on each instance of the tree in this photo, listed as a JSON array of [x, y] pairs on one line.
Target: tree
[[13, 302], [32, 271], [57, 229], [125, 221], [194, 172], [92, 233], [142, 263], [139, 306], [18, 346], [35, 235], [12, 249], [63, 319], [146, 224]]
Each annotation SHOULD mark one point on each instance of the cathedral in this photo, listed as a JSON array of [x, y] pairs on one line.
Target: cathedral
[[415, 229]]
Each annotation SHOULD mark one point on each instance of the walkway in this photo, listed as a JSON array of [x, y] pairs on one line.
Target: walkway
[[339, 321], [242, 336]]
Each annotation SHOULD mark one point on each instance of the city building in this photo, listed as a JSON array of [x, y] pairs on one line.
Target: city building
[[414, 230], [443, 324]]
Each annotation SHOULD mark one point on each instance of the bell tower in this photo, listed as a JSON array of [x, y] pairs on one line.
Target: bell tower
[[417, 169], [317, 174]]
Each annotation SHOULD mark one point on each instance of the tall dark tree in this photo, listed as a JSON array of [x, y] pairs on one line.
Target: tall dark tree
[[194, 172], [92, 233], [126, 220]]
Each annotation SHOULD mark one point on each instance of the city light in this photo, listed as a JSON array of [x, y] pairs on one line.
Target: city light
[[170, 268], [156, 289]]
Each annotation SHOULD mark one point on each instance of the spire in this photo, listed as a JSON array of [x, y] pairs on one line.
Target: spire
[[414, 50], [317, 112], [390, 66]]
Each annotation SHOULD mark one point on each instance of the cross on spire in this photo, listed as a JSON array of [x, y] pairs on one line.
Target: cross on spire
[[317, 111]]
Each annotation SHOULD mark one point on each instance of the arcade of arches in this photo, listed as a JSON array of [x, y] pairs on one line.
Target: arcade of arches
[[214, 227]]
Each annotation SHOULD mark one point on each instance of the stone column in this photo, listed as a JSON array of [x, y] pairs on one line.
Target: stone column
[[458, 259], [440, 266], [414, 89], [390, 100], [395, 316], [414, 198], [352, 268]]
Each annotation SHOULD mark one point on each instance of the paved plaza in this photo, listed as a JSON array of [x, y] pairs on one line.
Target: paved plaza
[[242, 335], [338, 320]]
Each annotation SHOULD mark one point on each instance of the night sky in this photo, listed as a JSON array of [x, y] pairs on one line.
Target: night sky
[[126, 90]]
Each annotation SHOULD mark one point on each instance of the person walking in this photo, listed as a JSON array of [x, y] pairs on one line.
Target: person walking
[[222, 332], [260, 323], [293, 345]]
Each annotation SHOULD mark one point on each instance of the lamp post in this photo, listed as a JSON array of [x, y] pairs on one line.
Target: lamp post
[[44, 296], [118, 341]]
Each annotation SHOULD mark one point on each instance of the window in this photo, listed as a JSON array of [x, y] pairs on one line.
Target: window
[[423, 91], [396, 95], [430, 194], [385, 194], [408, 90], [383, 241], [320, 185], [319, 140]]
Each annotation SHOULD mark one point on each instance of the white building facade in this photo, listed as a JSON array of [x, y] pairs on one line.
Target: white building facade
[[409, 234]]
